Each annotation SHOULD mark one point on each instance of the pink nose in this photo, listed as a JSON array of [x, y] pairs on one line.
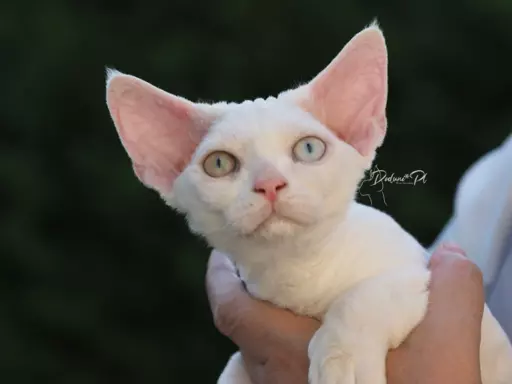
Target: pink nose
[[269, 187]]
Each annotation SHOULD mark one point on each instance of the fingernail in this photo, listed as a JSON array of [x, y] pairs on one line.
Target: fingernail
[[453, 247]]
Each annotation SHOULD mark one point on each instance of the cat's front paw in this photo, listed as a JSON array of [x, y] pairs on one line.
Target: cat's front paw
[[335, 359]]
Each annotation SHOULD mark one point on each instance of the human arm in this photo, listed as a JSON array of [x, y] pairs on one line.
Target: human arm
[[442, 349]]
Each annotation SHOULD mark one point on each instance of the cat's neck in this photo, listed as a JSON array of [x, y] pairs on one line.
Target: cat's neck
[[260, 251], [279, 270]]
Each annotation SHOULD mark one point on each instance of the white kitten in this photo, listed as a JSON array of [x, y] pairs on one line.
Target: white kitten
[[272, 183]]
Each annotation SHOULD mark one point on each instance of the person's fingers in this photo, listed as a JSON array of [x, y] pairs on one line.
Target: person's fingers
[[455, 280], [284, 369], [264, 329], [444, 253], [221, 277], [456, 300], [450, 330], [227, 297], [453, 247], [251, 324], [255, 369]]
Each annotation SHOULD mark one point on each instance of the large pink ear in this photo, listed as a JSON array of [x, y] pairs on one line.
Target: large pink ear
[[349, 96], [159, 131]]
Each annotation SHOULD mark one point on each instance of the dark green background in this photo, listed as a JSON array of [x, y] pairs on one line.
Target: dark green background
[[100, 282]]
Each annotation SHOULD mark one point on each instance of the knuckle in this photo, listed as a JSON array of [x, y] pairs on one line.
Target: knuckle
[[462, 263], [436, 259], [467, 267], [225, 321], [445, 254], [282, 360], [292, 359]]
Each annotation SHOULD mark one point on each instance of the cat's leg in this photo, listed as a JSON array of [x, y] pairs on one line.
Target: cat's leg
[[495, 352], [364, 323], [234, 372]]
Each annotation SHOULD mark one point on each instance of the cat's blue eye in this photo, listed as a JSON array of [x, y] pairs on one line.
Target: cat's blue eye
[[219, 164], [309, 149]]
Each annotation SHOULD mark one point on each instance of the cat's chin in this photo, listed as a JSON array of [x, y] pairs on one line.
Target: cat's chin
[[274, 227]]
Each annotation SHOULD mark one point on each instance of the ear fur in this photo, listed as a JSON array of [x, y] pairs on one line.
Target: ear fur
[[158, 130], [349, 96]]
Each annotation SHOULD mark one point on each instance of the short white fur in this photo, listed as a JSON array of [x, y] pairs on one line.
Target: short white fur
[[315, 251]]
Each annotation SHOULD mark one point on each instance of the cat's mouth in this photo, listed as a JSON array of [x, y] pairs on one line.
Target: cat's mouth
[[275, 223], [281, 219], [273, 216]]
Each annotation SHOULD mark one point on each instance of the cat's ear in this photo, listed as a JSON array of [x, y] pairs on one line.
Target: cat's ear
[[158, 130], [349, 96]]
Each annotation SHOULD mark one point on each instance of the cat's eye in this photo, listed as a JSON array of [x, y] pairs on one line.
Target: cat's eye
[[309, 149], [219, 164]]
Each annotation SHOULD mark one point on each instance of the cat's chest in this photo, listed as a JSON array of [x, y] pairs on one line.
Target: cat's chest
[[306, 289], [307, 279]]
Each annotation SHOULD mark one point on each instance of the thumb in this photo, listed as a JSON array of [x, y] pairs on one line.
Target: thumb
[[456, 287]]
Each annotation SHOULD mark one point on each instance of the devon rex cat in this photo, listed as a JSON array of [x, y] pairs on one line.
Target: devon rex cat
[[272, 182]]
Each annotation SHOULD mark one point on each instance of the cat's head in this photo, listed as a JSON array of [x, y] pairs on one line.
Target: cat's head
[[264, 168]]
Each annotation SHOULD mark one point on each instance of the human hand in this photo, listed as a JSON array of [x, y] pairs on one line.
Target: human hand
[[445, 347], [274, 341]]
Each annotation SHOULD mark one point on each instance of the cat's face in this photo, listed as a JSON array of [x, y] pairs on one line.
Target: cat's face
[[264, 168]]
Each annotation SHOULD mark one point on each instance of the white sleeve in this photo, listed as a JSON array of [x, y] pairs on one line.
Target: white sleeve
[[482, 218]]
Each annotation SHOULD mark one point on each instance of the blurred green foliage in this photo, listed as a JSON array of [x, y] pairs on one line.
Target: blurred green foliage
[[100, 282]]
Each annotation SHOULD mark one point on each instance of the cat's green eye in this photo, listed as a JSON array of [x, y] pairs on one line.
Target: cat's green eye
[[309, 149], [219, 164]]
